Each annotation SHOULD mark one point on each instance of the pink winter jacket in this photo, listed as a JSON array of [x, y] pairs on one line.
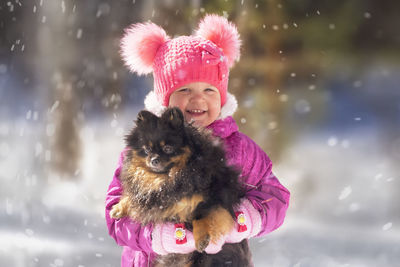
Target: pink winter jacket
[[264, 191]]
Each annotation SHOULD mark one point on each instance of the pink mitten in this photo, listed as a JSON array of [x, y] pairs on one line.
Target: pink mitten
[[215, 248], [174, 238], [248, 223]]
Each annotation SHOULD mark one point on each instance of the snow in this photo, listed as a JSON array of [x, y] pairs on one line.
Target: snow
[[79, 34], [333, 219], [342, 172], [387, 226], [332, 141], [63, 6], [345, 193], [302, 106]]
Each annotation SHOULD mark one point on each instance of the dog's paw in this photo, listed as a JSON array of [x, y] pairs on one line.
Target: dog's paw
[[116, 212], [202, 243], [201, 234], [220, 223]]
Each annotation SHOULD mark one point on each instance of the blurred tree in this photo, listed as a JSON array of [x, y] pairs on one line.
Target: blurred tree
[[288, 47], [58, 62], [70, 53], [72, 49]]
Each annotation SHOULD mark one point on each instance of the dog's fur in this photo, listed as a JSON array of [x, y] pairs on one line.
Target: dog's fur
[[174, 172]]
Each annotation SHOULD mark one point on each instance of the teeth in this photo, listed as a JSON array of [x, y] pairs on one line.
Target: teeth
[[196, 111]]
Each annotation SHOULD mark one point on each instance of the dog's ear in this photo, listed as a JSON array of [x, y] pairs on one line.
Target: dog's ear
[[174, 117], [145, 116]]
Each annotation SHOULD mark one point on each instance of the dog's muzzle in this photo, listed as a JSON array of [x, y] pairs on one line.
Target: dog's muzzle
[[156, 164], [155, 161]]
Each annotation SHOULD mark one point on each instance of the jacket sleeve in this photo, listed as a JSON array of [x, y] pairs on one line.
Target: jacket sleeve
[[125, 231], [264, 190]]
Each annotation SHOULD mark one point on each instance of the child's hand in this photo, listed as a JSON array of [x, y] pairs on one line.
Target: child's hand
[[248, 223], [174, 238]]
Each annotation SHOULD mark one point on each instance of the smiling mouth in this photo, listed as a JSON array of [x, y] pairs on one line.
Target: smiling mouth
[[196, 112]]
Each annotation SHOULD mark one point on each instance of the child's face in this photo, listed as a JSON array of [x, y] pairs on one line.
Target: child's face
[[200, 102]]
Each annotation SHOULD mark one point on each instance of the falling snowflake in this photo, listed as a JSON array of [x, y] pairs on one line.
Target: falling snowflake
[[332, 141], [345, 193], [387, 226]]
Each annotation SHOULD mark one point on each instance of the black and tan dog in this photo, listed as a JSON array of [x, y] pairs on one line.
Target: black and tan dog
[[174, 172]]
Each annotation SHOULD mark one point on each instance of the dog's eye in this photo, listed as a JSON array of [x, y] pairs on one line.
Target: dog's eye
[[168, 149], [146, 150]]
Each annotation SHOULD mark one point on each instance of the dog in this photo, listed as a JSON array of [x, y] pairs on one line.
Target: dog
[[175, 172]]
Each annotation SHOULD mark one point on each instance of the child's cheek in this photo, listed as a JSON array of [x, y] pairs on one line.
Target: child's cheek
[[176, 101]]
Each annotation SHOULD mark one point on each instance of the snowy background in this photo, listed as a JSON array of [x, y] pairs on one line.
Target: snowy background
[[332, 128]]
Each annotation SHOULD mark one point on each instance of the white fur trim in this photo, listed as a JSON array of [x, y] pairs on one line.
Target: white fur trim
[[229, 108], [152, 104]]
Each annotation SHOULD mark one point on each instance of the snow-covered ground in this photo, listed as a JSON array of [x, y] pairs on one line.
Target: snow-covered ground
[[344, 206], [342, 213]]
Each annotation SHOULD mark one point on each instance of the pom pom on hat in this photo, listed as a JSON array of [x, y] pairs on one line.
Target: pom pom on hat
[[223, 33], [140, 44]]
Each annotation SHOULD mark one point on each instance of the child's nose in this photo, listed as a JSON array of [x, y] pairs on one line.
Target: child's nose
[[197, 96]]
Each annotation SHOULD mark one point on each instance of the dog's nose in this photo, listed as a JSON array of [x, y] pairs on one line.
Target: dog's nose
[[155, 161]]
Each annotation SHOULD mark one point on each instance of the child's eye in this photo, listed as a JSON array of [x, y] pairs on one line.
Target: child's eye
[[183, 90], [168, 149], [209, 90]]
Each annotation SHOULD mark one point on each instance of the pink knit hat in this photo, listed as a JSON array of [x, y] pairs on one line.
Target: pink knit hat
[[203, 57]]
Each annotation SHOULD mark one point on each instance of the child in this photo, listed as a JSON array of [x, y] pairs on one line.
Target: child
[[191, 72]]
